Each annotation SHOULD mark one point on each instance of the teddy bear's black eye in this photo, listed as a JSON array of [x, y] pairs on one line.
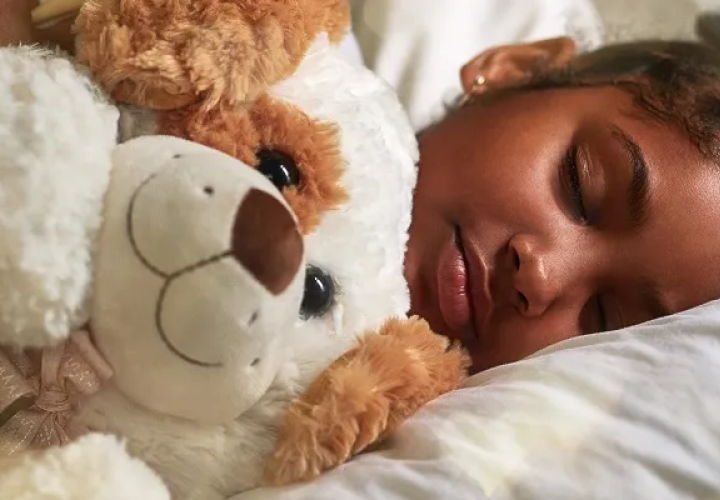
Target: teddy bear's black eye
[[319, 293], [279, 168]]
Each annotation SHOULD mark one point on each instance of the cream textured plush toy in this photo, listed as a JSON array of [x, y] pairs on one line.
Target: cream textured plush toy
[[238, 319], [142, 246]]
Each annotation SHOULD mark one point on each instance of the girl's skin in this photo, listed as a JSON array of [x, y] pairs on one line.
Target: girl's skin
[[506, 254]]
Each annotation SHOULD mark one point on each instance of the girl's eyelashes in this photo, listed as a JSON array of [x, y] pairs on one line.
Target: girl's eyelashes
[[573, 185]]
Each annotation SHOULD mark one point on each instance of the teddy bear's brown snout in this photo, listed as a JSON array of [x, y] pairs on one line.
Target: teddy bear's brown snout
[[266, 241]]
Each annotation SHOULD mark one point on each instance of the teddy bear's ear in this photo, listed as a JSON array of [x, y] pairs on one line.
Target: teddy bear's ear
[[56, 137], [167, 55]]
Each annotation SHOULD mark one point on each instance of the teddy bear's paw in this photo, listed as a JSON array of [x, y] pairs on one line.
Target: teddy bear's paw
[[336, 419], [362, 397], [168, 55], [95, 466], [298, 455], [410, 366], [438, 365]]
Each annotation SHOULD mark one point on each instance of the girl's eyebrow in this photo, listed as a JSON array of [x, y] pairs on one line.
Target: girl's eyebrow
[[638, 192]]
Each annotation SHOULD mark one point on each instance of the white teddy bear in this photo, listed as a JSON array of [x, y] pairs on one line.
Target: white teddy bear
[[143, 243], [193, 305]]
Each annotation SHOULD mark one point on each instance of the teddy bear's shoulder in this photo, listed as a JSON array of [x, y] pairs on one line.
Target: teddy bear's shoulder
[[57, 133]]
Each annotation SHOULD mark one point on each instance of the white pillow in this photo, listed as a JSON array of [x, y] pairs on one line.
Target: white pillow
[[419, 46], [631, 414]]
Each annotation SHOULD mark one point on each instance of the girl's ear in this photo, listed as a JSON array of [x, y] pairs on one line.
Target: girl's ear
[[511, 65]]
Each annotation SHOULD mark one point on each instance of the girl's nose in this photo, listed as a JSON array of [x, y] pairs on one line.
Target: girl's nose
[[536, 282]]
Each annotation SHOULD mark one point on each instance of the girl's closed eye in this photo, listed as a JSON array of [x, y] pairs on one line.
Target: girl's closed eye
[[574, 176], [573, 185]]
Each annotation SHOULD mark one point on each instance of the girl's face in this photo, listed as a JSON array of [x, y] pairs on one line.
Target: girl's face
[[549, 214]]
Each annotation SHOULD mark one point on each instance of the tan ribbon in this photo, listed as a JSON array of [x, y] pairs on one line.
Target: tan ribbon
[[40, 389]]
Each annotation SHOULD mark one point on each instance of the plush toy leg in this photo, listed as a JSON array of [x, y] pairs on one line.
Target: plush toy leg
[[94, 467], [362, 397]]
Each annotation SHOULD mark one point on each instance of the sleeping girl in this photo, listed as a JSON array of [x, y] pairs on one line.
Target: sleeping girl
[[567, 194]]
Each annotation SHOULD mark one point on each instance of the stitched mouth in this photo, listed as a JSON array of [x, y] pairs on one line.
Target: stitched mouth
[[166, 338], [168, 278]]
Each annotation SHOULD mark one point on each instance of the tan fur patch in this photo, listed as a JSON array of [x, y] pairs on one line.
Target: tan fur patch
[[170, 54], [364, 396], [338, 20], [269, 124], [223, 127]]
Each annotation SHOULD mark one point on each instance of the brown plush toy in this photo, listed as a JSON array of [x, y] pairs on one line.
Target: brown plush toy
[[168, 55], [262, 81]]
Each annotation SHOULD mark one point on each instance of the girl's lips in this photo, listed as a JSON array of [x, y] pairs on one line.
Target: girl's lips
[[453, 288]]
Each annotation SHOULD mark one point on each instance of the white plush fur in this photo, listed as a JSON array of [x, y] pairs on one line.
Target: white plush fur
[[94, 467], [205, 432], [363, 243], [199, 461], [50, 195]]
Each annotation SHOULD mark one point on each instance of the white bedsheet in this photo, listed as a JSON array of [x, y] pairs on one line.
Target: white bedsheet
[[633, 414]]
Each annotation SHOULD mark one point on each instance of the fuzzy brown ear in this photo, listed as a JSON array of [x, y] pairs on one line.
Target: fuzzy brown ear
[[167, 55]]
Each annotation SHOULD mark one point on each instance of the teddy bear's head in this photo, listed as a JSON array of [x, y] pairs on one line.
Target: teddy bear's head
[[263, 82], [199, 275], [333, 143]]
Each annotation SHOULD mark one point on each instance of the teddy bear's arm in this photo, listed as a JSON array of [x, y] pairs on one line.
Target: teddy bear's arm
[[362, 397], [171, 54]]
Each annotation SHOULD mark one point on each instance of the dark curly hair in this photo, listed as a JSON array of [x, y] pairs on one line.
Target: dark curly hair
[[676, 82]]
